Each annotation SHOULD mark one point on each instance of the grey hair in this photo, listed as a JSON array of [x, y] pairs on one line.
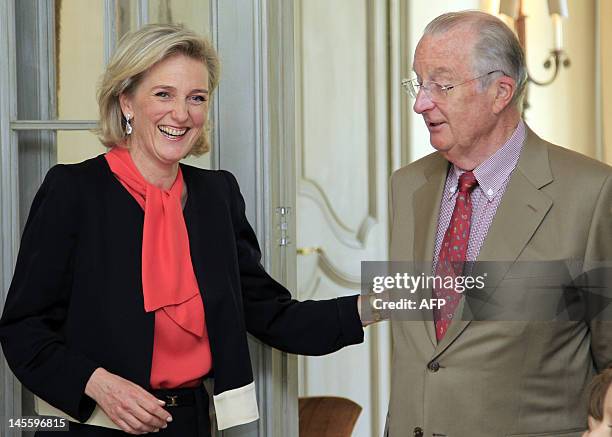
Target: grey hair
[[496, 48]]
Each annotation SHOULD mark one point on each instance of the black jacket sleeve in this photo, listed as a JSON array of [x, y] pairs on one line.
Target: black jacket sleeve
[[38, 299], [309, 327]]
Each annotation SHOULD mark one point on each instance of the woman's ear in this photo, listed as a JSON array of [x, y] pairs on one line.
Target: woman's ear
[[126, 104]]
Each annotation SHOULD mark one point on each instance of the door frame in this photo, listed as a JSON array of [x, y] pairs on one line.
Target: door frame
[[261, 156]]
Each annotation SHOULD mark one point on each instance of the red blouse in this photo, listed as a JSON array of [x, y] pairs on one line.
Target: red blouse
[[181, 350]]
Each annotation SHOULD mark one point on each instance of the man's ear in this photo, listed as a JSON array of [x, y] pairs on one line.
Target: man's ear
[[505, 87], [126, 104]]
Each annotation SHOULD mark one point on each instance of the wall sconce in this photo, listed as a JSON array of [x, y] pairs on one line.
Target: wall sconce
[[557, 58]]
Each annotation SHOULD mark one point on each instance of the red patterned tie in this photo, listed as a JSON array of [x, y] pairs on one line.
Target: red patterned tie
[[453, 253]]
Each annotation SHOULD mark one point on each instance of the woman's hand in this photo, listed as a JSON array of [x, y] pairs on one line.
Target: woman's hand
[[132, 408]]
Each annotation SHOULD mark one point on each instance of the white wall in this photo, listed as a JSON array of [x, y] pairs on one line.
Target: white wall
[[80, 62], [564, 112]]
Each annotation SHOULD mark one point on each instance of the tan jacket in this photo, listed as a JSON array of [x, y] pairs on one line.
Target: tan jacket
[[489, 379]]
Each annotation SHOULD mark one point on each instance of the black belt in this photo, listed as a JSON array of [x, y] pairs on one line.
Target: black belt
[[181, 397], [196, 398]]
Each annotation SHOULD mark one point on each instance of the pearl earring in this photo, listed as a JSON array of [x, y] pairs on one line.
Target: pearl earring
[[128, 126]]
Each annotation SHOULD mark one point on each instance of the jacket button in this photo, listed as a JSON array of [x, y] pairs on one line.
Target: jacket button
[[418, 432], [434, 366]]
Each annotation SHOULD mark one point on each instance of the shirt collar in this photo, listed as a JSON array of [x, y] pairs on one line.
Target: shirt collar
[[493, 172]]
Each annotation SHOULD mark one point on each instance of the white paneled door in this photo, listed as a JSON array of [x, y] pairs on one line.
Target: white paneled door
[[342, 171]]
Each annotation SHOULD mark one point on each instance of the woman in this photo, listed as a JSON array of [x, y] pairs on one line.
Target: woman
[[138, 278], [600, 406]]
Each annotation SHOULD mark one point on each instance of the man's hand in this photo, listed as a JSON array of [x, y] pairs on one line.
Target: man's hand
[[132, 408]]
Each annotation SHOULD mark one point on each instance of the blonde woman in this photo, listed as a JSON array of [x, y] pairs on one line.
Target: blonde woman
[[139, 277]]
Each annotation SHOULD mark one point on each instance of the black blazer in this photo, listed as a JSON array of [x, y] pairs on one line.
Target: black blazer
[[76, 303]]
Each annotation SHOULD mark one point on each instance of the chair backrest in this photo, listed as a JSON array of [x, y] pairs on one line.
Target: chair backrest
[[327, 416]]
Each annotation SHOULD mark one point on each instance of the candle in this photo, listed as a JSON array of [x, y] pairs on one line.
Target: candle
[[558, 29], [558, 7]]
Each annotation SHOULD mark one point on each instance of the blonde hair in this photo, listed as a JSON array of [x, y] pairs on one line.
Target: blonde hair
[[136, 53]]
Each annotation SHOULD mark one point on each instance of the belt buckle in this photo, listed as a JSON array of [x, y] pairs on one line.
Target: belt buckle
[[171, 401]]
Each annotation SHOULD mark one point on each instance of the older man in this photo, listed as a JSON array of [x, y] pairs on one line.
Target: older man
[[520, 199]]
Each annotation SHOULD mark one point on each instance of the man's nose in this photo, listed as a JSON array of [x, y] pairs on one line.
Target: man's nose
[[422, 102]]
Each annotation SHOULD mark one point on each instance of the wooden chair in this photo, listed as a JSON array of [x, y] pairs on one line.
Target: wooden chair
[[327, 416]]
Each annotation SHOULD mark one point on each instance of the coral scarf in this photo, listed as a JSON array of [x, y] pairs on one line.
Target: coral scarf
[[168, 279]]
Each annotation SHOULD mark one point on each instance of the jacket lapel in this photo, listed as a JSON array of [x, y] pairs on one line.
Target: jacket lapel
[[518, 216], [204, 212], [523, 206], [426, 205]]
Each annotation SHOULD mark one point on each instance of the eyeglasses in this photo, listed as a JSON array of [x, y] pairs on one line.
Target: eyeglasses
[[433, 90]]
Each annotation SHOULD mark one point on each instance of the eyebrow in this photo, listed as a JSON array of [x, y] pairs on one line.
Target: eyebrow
[[442, 70], [170, 87], [438, 71]]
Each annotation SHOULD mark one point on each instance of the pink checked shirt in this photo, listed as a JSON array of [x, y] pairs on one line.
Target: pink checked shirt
[[492, 176]]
